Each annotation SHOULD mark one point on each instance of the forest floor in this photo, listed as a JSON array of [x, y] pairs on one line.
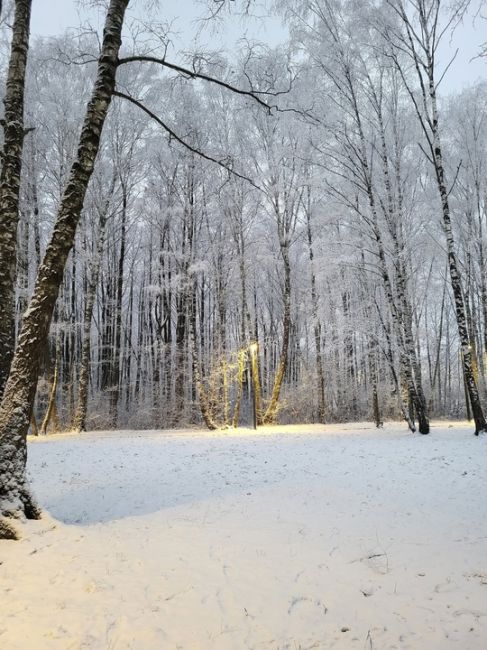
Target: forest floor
[[290, 538]]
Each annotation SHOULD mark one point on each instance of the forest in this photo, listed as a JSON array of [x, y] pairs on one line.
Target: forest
[[295, 230], [242, 276], [321, 199]]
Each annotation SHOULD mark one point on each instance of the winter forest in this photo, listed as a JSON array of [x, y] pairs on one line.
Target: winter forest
[[320, 199], [284, 231]]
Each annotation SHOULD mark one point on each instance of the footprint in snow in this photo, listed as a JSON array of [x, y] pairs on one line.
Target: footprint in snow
[[299, 601]]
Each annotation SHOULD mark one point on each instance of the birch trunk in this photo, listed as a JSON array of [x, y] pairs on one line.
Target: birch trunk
[[13, 134], [422, 47], [455, 278]]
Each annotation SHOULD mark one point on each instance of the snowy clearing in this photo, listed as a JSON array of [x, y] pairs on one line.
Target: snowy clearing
[[291, 538]]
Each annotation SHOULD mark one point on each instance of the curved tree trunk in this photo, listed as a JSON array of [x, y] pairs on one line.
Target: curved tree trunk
[[13, 134], [18, 399]]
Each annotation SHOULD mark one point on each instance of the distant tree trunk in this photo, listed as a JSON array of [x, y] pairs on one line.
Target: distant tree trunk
[[117, 338], [436, 375], [316, 322], [271, 411], [373, 381], [200, 389], [51, 414], [13, 140], [19, 394], [181, 324], [241, 363], [79, 420]]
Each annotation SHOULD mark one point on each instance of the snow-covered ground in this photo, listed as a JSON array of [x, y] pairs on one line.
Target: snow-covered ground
[[291, 538]]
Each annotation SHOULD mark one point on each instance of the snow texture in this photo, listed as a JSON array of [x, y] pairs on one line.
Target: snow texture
[[285, 539]]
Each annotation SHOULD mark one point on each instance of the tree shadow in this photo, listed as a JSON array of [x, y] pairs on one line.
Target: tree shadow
[[98, 480]]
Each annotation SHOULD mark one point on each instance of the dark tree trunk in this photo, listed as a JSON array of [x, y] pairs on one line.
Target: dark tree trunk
[[117, 338], [13, 134]]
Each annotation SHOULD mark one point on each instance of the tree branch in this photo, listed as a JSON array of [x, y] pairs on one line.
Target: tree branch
[[182, 142], [196, 75]]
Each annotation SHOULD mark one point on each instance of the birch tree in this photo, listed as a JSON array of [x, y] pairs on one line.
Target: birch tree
[[13, 134]]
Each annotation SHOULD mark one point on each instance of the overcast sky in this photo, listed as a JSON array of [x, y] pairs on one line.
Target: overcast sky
[[52, 17]]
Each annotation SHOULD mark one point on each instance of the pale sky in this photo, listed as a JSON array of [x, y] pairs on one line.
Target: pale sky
[[52, 17]]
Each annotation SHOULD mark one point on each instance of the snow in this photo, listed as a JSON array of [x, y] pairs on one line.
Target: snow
[[286, 538]]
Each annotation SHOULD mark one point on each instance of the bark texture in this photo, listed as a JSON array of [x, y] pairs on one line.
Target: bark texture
[[13, 133]]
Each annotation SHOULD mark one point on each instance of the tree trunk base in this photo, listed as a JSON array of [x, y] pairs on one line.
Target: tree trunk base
[[31, 509], [28, 509], [411, 425]]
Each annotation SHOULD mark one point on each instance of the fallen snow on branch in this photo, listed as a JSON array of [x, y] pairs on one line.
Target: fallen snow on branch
[[285, 539]]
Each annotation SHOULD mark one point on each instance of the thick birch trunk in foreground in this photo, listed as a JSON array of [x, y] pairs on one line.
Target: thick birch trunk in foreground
[[16, 407], [13, 133]]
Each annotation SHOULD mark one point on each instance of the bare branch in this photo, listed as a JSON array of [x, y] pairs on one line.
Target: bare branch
[[193, 74], [182, 142]]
